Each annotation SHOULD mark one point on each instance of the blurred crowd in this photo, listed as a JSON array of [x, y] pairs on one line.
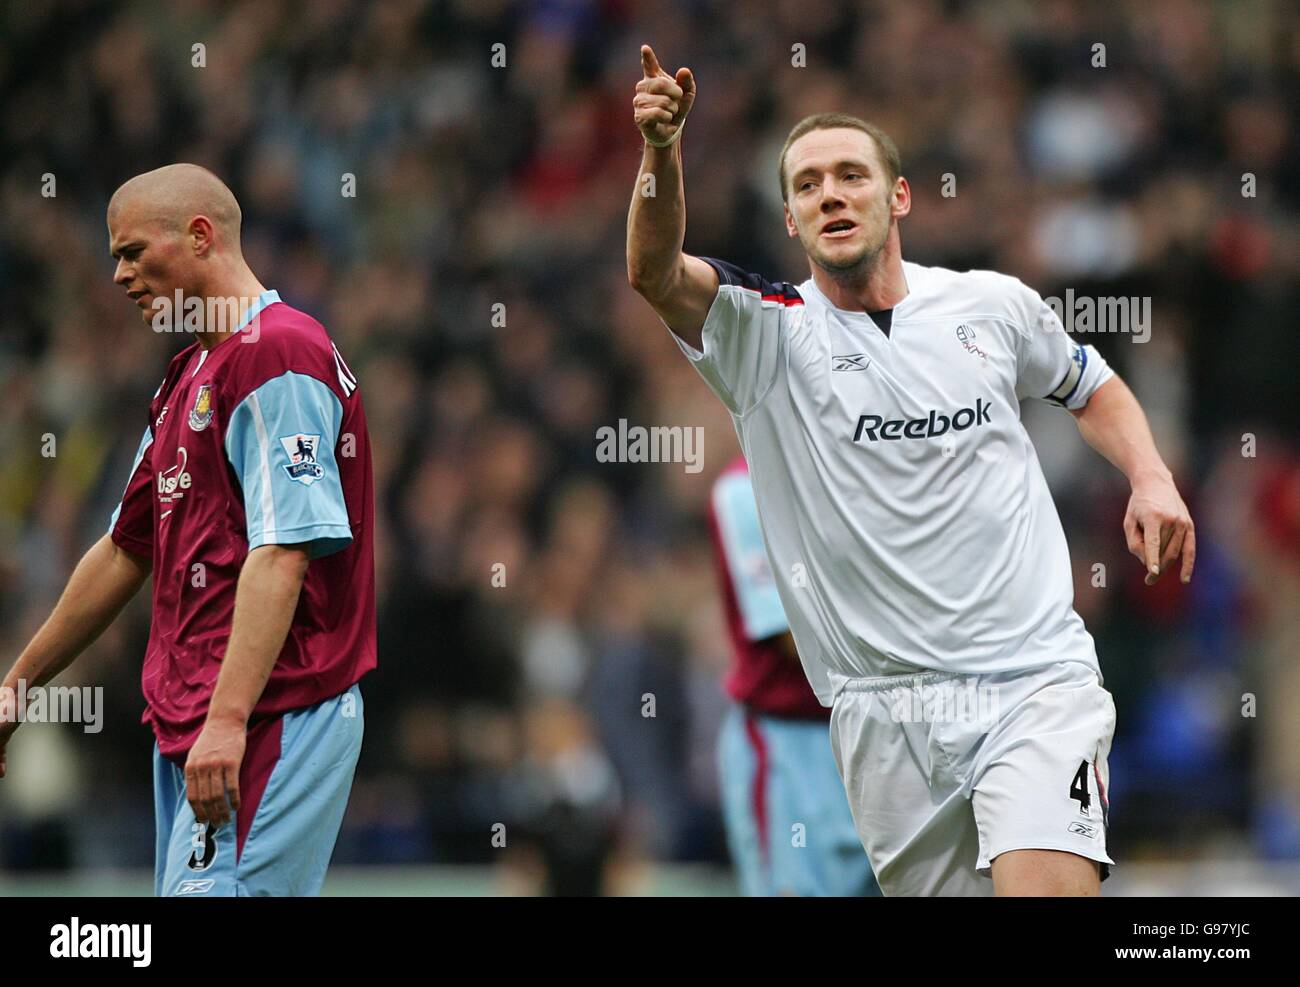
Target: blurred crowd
[[550, 640]]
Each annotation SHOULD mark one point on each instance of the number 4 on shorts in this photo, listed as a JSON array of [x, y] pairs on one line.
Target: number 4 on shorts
[[1079, 789]]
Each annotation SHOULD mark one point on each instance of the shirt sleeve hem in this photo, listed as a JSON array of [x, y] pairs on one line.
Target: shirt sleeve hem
[[711, 319], [323, 539], [1081, 397], [133, 545]]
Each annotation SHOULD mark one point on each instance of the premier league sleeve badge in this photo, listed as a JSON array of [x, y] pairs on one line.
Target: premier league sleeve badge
[[302, 467]]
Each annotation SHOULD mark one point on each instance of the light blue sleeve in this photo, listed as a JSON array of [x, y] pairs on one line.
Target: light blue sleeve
[[280, 441], [146, 441], [746, 557]]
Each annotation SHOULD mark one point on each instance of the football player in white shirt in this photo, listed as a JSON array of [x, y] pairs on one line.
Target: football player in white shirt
[[918, 553]]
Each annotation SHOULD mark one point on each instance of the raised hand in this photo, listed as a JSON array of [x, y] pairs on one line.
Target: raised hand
[[662, 101]]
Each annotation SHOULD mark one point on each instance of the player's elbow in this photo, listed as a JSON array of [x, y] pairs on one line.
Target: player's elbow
[[638, 277], [653, 282]]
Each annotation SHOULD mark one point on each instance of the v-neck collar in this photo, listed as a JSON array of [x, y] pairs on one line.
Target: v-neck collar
[[911, 276]]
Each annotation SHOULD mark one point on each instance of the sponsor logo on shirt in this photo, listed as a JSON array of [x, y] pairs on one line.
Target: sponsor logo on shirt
[[302, 467], [175, 480], [201, 413], [850, 362], [192, 886], [875, 427]]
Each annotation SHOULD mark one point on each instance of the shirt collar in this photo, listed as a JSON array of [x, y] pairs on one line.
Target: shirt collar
[[264, 300]]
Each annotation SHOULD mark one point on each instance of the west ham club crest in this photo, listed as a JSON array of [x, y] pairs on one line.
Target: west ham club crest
[[201, 413]]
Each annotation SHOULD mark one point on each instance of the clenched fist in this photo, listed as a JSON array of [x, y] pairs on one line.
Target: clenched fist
[[661, 102]]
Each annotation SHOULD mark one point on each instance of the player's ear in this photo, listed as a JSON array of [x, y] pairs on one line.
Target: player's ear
[[790, 227], [201, 235], [900, 200]]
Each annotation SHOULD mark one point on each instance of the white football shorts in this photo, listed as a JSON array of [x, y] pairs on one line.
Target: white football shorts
[[945, 771]]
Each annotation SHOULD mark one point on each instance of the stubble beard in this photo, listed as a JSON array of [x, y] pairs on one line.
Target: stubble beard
[[856, 270]]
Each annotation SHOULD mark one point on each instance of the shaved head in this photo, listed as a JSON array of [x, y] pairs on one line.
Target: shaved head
[[173, 195], [176, 229]]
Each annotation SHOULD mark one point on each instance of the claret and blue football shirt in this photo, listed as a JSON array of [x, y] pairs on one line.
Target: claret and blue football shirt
[[763, 676], [260, 440]]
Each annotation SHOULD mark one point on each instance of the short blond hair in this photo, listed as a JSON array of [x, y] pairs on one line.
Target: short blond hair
[[832, 121]]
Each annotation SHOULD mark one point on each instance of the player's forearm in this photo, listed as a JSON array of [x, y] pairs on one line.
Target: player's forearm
[[104, 581], [1113, 423], [656, 222], [265, 601]]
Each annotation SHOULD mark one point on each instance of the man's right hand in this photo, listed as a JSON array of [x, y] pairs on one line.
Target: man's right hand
[[662, 101], [104, 581], [681, 288]]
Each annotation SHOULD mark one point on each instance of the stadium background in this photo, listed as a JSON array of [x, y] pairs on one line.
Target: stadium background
[[479, 185]]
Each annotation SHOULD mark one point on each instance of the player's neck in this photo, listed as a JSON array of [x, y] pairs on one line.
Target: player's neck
[[873, 289], [243, 290]]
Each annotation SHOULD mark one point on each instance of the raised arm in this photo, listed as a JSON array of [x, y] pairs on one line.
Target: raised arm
[[681, 288]]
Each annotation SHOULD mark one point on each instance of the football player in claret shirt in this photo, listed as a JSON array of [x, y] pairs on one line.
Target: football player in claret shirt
[[788, 822], [251, 503]]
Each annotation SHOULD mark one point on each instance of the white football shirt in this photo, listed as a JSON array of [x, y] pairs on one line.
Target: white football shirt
[[902, 504]]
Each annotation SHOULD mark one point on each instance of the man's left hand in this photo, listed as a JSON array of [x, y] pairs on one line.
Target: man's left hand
[[1159, 528]]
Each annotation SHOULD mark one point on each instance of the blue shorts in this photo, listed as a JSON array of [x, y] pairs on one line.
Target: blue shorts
[[787, 816], [294, 785]]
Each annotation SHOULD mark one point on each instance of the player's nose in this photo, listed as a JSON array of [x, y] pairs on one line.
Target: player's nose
[[831, 195], [124, 274]]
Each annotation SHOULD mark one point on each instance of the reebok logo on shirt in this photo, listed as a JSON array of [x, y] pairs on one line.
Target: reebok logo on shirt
[[875, 428]]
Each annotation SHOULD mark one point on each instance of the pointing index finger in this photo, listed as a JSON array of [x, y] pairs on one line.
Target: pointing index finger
[[649, 64]]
